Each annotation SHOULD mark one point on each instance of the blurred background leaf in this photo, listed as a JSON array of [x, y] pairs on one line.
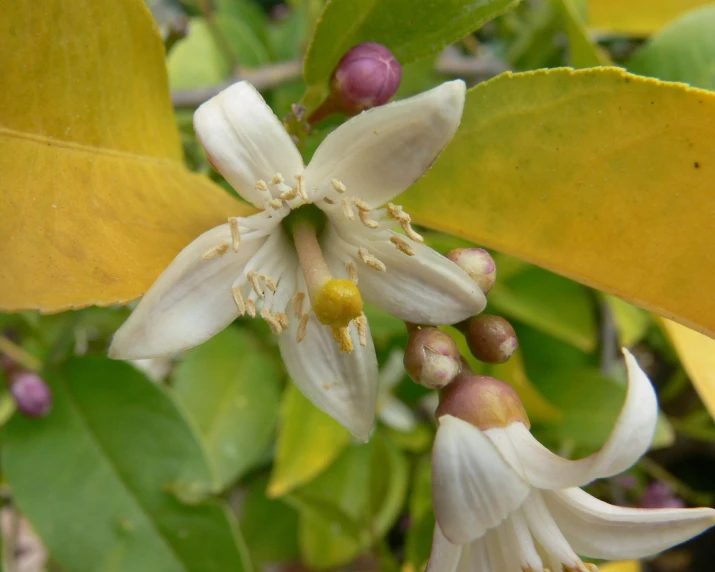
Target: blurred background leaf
[[102, 476], [231, 388]]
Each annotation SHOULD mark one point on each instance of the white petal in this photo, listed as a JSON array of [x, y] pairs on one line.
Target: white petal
[[245, 141], [426, 288], [344, 385], [381, 152], [444, 556], [476, 556], [393, 413], [189, 303], [628, 441], [473, 488], [599, 530], [547, 533]]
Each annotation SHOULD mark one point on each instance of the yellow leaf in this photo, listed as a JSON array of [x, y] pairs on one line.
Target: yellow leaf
[[308, 442], [637, 17], [94, 198], [697, 354], [624, 566], [596, 174]]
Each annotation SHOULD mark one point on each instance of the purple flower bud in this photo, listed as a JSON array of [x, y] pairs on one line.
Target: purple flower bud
[[660, 495], [432, 358], [478, 263], [32, 395], [491, 339], [367, 76]]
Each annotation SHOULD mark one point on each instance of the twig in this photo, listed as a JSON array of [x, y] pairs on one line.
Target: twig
[[262, 78], [449, 63], [19, 355]]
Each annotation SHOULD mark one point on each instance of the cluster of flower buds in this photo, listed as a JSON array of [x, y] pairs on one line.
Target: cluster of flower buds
[[368, 75], [432, 358]]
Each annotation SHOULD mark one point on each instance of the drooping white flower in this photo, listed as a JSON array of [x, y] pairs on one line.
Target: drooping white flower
[[296, 263], [505, 503]]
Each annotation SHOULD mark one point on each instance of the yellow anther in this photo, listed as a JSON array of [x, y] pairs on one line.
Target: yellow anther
[[215, 251], [342, 336], [338, 303]]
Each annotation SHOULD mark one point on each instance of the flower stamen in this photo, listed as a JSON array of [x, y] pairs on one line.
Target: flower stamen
[[251, 308], [347, 208], [351, 269], [402, 245], [238, 298], [302, 328], [215, 251], [298, 299], [255, 284], [272, 320], [233, 225], [338, 186], [361, 323], [342, 336], [371, 261]]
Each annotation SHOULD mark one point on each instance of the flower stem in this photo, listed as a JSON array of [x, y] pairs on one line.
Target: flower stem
[[19, 355]]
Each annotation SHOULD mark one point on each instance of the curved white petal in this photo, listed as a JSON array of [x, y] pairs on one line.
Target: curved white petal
[[189, 303], [245, 141], [473, 488], [426, 288], [344, 385], [381, 152], [629, 440], [444, 556], [599, 530]]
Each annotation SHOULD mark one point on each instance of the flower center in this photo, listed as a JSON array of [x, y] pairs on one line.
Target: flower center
[[336, 302]]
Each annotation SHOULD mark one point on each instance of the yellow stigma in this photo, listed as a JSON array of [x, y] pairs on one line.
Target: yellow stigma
[[338, 303]]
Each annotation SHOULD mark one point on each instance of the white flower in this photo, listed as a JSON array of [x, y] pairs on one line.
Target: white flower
[[297, 261], [505, 503]]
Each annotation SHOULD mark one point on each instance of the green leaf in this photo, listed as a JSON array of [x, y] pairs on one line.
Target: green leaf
[[590, 403], [419, 536], [586, 173], [632, 323], [196, 61], [550, 303], [308, 442], [231, 388], [682, 51], [245, 45], [270, 526], [411, 30], [97, 477], [352, 505], [583, 52]]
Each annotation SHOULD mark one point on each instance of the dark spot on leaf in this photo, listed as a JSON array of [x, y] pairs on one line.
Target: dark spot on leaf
[[696, 165]]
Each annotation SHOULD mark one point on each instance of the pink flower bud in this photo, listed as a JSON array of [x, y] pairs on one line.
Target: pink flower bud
[[32, 395], [432, 358], [483, 401], [478, 263], [491, 339], [367, 76]]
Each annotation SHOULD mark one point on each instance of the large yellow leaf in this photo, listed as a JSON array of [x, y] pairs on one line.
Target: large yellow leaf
[[638, 17], [697, 353], [94, 198], [602, 176]]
